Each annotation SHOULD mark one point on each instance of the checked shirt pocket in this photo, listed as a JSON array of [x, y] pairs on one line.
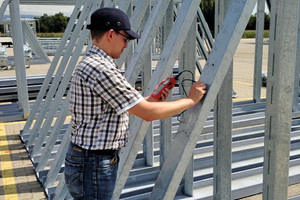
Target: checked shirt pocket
[[74, 175]]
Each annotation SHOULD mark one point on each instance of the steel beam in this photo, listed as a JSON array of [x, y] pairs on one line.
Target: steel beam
[[297, 71], [39, 100], [59, 159], [163, 69], [58, 78], [213, 75], [223, 122], [59, 89], [259, 37], [3, 8], [281, 69], [146, 40], [148, 145], [34, 44], [187, 62], [166, 124], [17, 36], [46, 151]]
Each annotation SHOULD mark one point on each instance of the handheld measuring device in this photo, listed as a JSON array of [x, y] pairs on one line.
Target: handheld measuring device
[[168, 83]]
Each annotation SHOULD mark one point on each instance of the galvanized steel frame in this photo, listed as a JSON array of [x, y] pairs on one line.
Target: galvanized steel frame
[[223, 121], [39, 104], [33, 42], [213, 75], [186, 14], [17, 37], [281, 69], [258, 50], [177, 43]]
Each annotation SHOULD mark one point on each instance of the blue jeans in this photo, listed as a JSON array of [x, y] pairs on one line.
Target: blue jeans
[[90, 175]]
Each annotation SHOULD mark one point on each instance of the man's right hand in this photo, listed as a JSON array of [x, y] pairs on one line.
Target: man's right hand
[[197, 91]]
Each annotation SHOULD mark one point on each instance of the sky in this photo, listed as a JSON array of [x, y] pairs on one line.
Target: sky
[[39, 10]]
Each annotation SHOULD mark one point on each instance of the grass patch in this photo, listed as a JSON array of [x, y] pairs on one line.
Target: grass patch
[[50, 35], [252, 33]]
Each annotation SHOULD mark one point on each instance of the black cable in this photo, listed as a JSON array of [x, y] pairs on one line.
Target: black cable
[[184, 91], [186, 70]]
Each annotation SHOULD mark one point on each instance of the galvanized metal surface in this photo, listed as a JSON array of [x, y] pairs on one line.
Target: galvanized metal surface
[[284, 16], [297, 68], [17, 37], [136, 180], [61, 81], [247, 162], [53, 67], [221, 55], [164, 67], [258, 50], [34, 44], [223, 122], [187, 63]]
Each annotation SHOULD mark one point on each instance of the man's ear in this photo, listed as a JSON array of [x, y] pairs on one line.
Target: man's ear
[[110, 34]]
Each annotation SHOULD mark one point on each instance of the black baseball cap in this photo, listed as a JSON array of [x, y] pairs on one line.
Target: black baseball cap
[[111, 18]]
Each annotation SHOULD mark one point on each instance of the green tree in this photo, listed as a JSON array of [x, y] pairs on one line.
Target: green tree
[[44, 23], [52, 24], [60, 23], [208, 10], [252, 22], [267, 21]]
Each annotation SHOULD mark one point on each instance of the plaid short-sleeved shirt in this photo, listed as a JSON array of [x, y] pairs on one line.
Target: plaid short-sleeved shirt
[[99, 99]]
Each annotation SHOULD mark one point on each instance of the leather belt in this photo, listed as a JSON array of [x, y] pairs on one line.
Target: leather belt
[[100, 152]]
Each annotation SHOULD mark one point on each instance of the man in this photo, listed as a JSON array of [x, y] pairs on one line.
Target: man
[[100, 101]]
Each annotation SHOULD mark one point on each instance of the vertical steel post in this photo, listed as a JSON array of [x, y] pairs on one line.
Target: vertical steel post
[[148, 145], [187, 61], [260, 17], [297, 69], [223, 122], [17, 36], [281, 69], [166, 124]]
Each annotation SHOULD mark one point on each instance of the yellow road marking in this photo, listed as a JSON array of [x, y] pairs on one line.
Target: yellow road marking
[[10, 191], [242, 83]]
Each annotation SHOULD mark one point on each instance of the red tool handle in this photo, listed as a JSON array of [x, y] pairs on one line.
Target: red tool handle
[[168, 83]]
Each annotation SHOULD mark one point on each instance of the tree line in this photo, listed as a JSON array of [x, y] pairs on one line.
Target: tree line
[[208, 10], [52, 24], [58, 22]]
